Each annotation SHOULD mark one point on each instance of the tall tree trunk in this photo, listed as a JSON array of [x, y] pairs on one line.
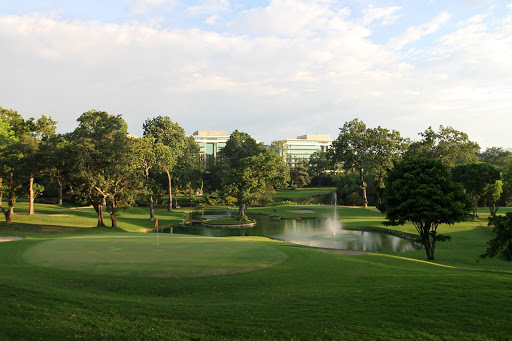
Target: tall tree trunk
[[113, 216], [99, 211], [114, 219], [31, 195], [169, 206], [363, 187], [475, 208], [0, 191], [241, 211], [151, 208], [8, 213], [60, 191]]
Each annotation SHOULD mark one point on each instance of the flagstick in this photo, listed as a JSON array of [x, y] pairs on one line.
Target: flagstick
[[157, 239]]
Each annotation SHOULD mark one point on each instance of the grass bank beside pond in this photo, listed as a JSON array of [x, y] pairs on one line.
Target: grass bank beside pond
[[70, 219]]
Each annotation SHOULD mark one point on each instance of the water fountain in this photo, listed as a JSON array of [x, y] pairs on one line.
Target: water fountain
[[333, 224]]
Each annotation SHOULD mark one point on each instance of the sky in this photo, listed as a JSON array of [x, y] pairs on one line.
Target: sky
[[275, 69]]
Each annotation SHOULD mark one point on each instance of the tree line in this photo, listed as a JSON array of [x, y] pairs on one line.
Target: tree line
[[108, 170], [105, 168]]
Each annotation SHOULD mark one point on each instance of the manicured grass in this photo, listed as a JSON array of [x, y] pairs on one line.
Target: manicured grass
[[150, 255], [68, 219], [115, 286]]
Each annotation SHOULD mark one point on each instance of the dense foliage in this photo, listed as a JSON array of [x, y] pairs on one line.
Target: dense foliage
[[501, 245], [420, 191]]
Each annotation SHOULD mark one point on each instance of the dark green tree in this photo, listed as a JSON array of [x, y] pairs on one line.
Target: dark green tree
[[420, 190], [252, 169], [501, 245], [299, 175], [105, 167], [475, 177]]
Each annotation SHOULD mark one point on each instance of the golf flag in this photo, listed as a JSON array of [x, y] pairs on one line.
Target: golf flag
[[157, 239]]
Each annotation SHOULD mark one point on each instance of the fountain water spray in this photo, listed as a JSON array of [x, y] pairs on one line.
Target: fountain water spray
[[333, 224]]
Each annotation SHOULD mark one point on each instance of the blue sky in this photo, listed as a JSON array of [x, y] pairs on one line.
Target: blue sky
[[275, 69]]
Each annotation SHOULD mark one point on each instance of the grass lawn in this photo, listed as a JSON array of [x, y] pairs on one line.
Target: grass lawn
[[76, 281]]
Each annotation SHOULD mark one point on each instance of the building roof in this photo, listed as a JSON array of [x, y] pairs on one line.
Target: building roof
[[207, 133]]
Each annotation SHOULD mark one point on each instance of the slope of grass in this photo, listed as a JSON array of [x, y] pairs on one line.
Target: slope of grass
[[305, 295]]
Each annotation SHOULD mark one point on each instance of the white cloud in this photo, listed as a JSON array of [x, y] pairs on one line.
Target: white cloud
[[212, 20], [415, 33], [277, 74], [385, 15]]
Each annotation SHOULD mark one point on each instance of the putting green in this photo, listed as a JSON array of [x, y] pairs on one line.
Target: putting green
[[140, 255]]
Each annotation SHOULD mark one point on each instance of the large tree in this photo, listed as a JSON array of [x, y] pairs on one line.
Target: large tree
[[448, 145], [421, 191], [252, 169], [149, 152], [170, 134], [366, 150], [104, 160], [8, 158], [476, 177], [20, 159]]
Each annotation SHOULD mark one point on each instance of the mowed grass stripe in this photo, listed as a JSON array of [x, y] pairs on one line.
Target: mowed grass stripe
[[143, 255]]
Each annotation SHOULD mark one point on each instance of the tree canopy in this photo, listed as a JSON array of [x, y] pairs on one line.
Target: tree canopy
[[252, 170], [366, 150], [448, 145], [476, 177], [420, 190]]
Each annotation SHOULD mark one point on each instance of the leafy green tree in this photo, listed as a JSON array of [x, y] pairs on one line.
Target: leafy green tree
[[7, 158], [53, 152], [252, 169], [299, 175], [388, 145], [105, 162], [170, 134], [34, 164], [492, 196], [497, 157], [448, 145], [189, 169], [366, 150], [420, 190], [475, 177], [501, 245], [506, 196], [20, 158], [149, 152], [353, 149]]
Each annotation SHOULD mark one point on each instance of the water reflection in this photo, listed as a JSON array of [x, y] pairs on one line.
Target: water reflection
[[310, 232]]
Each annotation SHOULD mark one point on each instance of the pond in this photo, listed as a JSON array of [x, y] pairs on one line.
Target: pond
[[310, 232]]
